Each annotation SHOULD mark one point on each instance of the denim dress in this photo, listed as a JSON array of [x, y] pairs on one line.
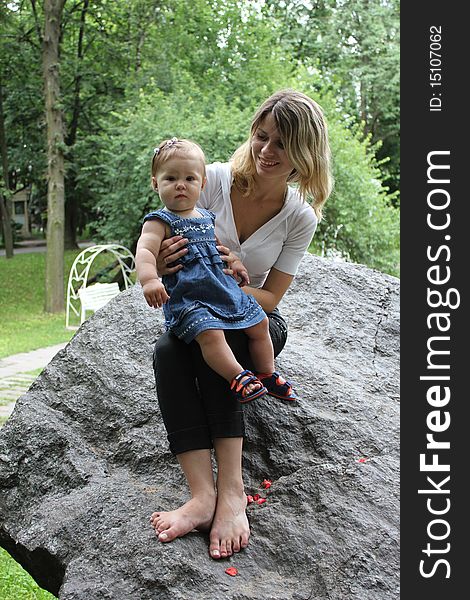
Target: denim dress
[[202, 296]]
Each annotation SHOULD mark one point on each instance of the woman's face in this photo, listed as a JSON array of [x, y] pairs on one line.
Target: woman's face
[[268, 151]]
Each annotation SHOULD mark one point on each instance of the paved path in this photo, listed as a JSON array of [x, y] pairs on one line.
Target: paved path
[[29, 246], [16, 376]]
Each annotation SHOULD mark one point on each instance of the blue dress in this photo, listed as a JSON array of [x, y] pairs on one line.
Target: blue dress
[[202, 296]]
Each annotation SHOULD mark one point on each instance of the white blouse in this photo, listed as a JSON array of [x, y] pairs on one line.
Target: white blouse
[[280, 243]]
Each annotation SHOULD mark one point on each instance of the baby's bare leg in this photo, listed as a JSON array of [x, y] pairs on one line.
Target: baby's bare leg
[[219, 356], [261, 347]]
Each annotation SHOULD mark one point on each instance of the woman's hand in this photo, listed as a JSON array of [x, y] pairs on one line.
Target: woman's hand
[[171, 250], [234, 266]]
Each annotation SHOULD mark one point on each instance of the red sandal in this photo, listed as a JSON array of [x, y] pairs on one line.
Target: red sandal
[[239, 388], [277, 386]]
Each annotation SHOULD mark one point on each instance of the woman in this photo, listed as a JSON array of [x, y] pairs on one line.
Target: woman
[[269, 226]]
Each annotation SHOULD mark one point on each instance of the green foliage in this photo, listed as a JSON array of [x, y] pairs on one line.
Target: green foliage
[[356, 44], [121, 175], [134, 73], [21, 78], [361, 224]]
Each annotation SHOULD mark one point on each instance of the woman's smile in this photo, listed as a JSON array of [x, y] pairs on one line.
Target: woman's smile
[[267, 164]]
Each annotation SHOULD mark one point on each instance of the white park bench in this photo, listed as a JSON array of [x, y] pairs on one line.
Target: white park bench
[[96, 296], [82, 297]]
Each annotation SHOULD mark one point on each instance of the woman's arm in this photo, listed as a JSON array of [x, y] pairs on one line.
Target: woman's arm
[[273, 289]]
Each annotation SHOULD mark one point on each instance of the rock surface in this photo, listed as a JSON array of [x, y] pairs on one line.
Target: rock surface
[[84, 459]]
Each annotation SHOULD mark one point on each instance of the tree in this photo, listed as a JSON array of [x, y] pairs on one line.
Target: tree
[[5, 202], [93, 55], [53, 10], [72, 200], [153, 69], [23, 105], [5, 190], [355, 44], [361, 224]]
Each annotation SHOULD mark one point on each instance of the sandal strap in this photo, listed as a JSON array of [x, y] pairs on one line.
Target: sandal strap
[[274, 377], [242, 374], [241, 385]]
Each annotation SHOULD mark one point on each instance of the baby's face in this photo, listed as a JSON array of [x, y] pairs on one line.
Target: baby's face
[[180, 180]]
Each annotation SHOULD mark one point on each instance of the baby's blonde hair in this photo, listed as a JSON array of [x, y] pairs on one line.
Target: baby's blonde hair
[[175, 146], [304, 135]]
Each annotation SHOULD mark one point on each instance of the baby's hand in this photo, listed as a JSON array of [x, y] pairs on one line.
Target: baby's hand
[[155, 293], [240, 273]]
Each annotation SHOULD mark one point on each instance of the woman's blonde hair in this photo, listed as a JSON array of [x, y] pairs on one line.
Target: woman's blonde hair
[[303, 132]]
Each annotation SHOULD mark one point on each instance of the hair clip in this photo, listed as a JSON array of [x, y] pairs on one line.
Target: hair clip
[[171, 142], [168, 144]]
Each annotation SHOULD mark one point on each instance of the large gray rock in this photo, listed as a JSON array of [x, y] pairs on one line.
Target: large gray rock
[[84, 459]]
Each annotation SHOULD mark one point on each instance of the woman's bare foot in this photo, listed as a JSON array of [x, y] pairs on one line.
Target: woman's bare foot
[[230, 529], [197, 513]]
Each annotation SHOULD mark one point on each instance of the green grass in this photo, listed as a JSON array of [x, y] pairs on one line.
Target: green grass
[[16, 583], [24, 324]]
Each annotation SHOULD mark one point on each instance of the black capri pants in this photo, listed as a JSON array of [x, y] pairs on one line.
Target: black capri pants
[[195, 402]]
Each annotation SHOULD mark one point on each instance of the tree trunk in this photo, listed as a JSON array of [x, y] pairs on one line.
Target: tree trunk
[[71, 216], [6, 226], [5, 202], [55, 158], [72, 205]]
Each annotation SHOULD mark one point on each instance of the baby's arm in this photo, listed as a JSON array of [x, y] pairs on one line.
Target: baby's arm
[[148, 247], [239, 272]]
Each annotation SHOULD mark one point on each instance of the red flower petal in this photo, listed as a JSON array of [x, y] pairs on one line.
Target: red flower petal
[[267, 483], [232, 571], [256, 497], [261, 500], [249, 499]]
